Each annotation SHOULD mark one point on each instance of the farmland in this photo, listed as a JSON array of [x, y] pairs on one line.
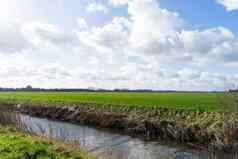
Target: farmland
[[205, 101], [182, 117]]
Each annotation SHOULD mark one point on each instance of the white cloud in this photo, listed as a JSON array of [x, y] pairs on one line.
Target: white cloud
[[22, 36], [159, 32], [118, 2], [141, 50], [111, 36], [207, 45], [12, 38], [153, 31], [205, 41], [196, 46], [40, 33], [97, 7], [130, 75], [230, 5], [82, 24], [150, 21]]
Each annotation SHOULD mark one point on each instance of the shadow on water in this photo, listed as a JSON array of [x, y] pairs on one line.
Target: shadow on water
[[103, 143]]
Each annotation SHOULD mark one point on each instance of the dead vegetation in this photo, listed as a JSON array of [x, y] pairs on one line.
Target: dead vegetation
[[210, 130]]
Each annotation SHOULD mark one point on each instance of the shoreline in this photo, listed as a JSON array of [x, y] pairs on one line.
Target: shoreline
[[211, 131], [18, 144]]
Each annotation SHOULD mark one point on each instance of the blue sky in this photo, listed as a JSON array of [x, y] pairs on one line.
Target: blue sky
[[136, 44], [203, 13], [197, 14]]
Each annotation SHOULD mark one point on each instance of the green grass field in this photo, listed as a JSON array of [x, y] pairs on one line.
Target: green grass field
[[206, 101]]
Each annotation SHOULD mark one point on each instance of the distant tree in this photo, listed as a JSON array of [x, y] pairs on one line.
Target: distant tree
[[29, 87]]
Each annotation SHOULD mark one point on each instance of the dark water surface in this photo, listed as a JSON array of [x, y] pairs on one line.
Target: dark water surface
[[105, 144]]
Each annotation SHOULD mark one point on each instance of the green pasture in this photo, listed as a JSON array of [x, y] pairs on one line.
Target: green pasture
[[205, 101]]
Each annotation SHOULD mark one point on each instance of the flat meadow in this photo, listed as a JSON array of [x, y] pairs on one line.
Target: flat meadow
[[179, 100]]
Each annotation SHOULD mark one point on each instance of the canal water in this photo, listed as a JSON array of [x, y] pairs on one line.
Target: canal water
[[110, 145]]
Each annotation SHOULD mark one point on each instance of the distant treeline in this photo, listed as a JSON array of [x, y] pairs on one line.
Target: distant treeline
[[233, 90], [75, 90], [31, 89]]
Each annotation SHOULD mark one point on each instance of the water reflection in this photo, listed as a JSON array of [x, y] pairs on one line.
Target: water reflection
[[112, 145]]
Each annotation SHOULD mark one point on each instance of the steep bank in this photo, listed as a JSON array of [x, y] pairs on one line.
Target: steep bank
[[200, 129]]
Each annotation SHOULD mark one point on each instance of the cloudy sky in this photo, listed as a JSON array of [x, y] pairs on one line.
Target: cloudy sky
[[136, 44]]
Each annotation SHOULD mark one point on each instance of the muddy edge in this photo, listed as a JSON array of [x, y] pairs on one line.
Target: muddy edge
[[141, 123]]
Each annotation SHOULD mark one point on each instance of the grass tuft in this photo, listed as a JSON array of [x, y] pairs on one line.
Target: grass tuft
[[16, 145]]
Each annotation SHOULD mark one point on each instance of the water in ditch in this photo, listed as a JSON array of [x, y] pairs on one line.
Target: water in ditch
[[105, 144]]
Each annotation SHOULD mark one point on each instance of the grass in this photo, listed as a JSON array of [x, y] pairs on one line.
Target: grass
[[204, 101], [16, 145]]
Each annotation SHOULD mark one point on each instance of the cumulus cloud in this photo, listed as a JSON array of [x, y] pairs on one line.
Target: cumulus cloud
[[205, 45], [19, 36], [40, 33], [111, 36], [152, 31], [12, 38], [230, 5], [150, 21], [126, 52], [118, 2], [205, 41], [97, 7], [132, 75], [159, 32], [148, 28], [82, 24]]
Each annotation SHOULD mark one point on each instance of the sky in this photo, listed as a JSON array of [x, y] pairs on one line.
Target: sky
[[134, 44]]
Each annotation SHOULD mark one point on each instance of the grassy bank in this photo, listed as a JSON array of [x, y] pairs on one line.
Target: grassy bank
[[194, 101], [17, 145]]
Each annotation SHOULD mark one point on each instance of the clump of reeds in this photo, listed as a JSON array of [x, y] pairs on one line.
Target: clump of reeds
[[9, 119]]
